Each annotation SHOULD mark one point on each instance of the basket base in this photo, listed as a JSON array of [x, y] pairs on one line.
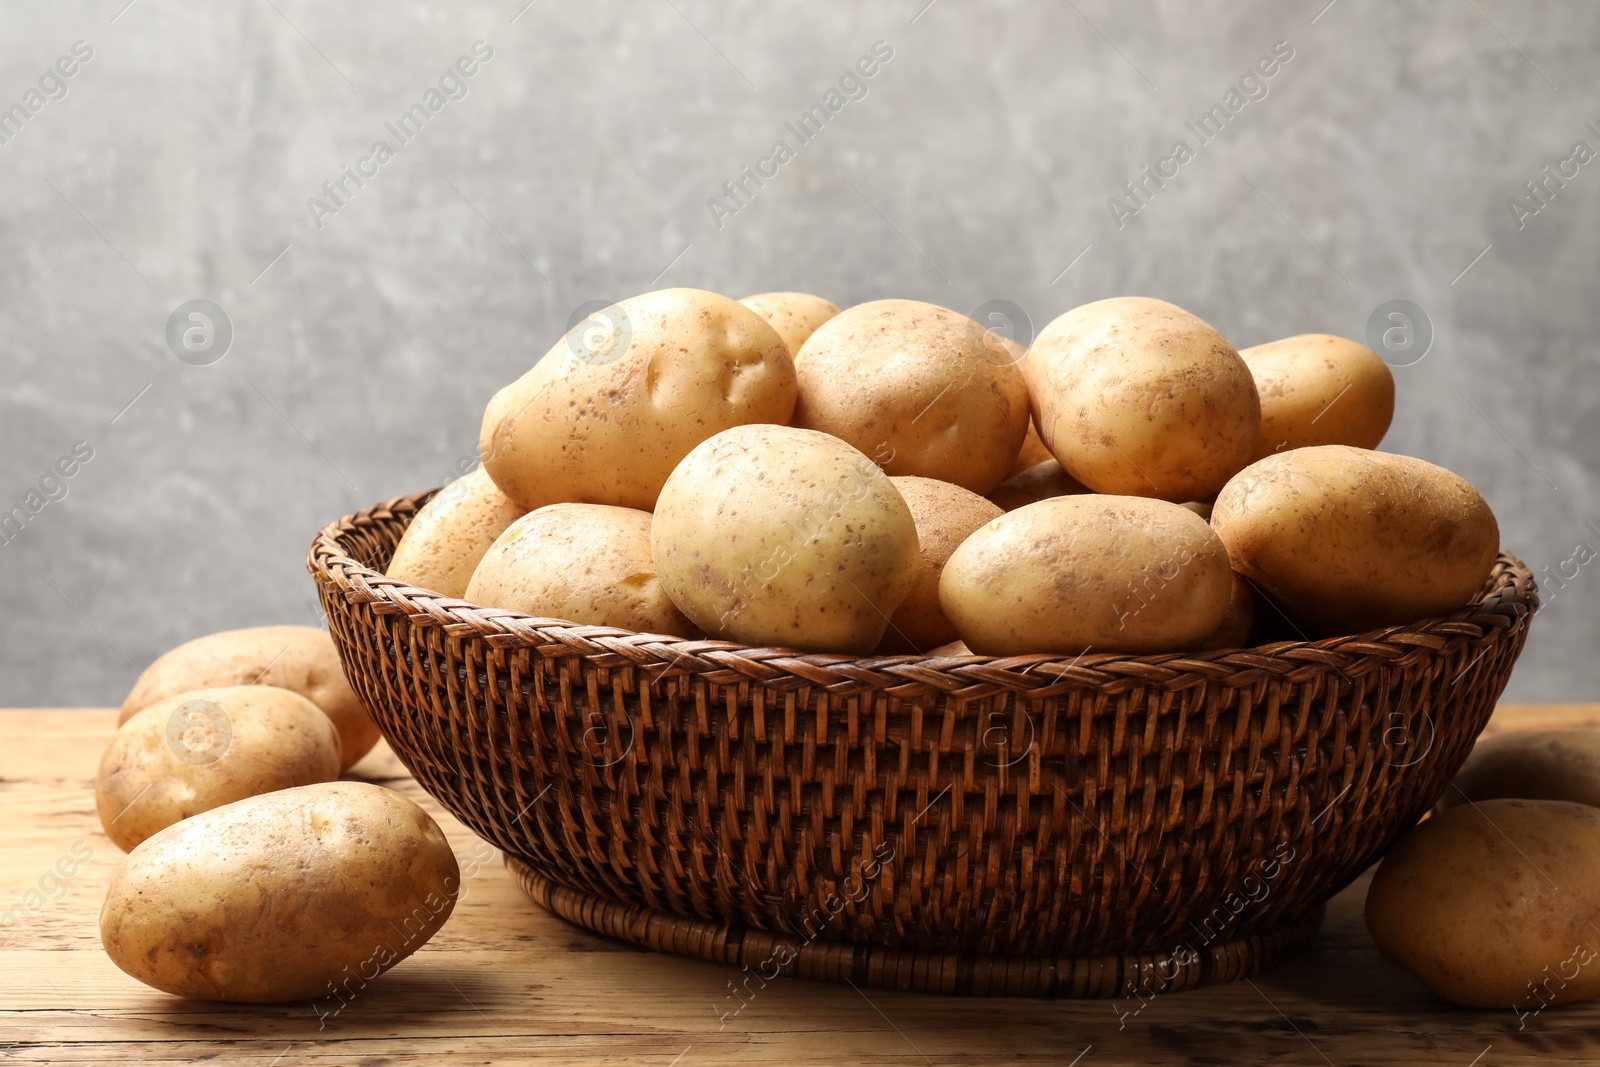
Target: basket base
[[764, 956]]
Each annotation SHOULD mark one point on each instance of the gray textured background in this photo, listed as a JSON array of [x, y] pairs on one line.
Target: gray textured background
[[578, 167]]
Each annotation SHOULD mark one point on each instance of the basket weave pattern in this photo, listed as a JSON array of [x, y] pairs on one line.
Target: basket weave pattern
[[1036, 814]]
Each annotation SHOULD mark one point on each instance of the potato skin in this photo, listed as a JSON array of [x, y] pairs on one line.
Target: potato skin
[[197, 751], [299, 658], [921, 389], [946, 515], [1237, 621], [795, 316], [1491, 906], [583, 563], [1140, 398], [773, 535], [605, 416], [284, 896], [1348, 540], [1531, 765], [1318, 389], [1031, 454], [1105, 573], [1039, 482], [446, 539]]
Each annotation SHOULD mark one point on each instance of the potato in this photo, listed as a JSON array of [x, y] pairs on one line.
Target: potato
[[1079, 573], [449, 535], [922, 390], [1201, 508], [795, 316], [1039, 482], [1140, 398], [1493, 906], [1237, 622], [583, 563], [1531, 765], [197, 751], [616, 403], [1031, 454], [307, 892], [1347, 540], [945, 515], [297, 658], [1317, 389], [772, 535], [952, 649]]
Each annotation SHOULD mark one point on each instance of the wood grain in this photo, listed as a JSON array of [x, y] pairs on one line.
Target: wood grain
[[505, 982]]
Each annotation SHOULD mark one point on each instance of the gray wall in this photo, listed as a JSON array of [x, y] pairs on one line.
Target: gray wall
[[578, 166]]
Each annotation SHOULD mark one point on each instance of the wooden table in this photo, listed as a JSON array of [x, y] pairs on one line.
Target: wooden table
[[504, 982]]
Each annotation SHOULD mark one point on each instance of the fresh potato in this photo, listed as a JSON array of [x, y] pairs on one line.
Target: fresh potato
[[1531, 765], [197, 751], [1317, 389], [950, 650], [298, 658], [616, 403], [1237, 622], [795, 316], [1039, 482], [772, 535], [1078, 573], [307, 892], [1493, 906], [449, 535], [1140, 398], [583, 563], [1031, 454], [1348, 540], [922, 390], [946, 515]]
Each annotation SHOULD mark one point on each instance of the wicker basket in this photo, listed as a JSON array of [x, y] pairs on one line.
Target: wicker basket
[[1102, 826]]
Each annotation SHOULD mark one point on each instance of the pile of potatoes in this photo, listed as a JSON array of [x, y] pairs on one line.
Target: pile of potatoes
[[253, 873], [895, 478]]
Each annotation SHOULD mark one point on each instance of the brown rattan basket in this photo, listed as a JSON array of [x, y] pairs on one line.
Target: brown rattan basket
[[1101, 826]]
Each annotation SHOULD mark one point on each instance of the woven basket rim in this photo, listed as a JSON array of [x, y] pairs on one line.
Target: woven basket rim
[[1509, 598]]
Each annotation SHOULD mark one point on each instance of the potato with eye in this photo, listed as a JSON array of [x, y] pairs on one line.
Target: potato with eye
[[1531, 765], [774, 535], [615, 404], [1088, 573], [1495, 905], [584, 563], [946, 515], [1039, 482], [197, 751], [1317, 389], [449, 535], [1138, 397], [305, 892], [298, 658], [795, 316], [922, 390], [1347, 540]]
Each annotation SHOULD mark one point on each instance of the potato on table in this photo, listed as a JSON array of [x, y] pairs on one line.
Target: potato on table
[[584, 563], [1138, 397], [1317, 389], [449, 535], [1088, 573], [616, 403], [298, 658], [1347, 540], [302, 893], [772, 535], [1495, 905], [1532, 765], [921, 389], [197, 751]]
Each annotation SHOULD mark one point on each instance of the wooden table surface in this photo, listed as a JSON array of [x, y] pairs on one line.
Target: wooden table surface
[[505, 982]]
